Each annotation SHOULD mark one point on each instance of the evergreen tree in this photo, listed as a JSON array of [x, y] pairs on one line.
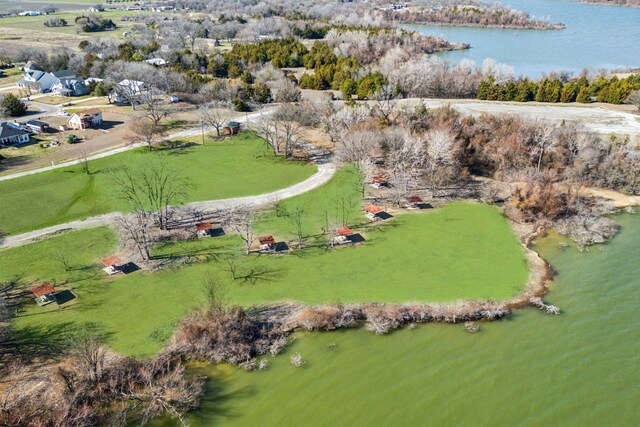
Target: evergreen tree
[[12, 106]]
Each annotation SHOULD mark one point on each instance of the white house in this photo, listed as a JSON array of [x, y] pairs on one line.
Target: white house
[[11, 134], [41, 81], [158, 62], [127, 90]]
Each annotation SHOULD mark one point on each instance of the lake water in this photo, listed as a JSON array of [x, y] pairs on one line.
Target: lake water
[[577, 369], [595, 36]]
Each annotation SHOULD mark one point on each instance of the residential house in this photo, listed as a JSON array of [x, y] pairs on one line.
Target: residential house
[[85, 119], [43, 82], [70, 87], [158, 62], [127, 90], [11, 134]]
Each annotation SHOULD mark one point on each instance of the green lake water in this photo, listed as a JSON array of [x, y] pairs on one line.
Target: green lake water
[[577, 369]]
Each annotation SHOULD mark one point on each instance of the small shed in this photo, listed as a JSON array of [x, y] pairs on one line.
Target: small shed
[[416, 202], [44, 294], [344, 231], [112, 265], [266, 243], [373, 209], [233, 128], [202, 228], [379, 181]]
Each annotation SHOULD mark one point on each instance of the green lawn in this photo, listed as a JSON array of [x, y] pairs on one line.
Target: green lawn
[[240, 166], [37, 22], [10, 76], [461, 251]]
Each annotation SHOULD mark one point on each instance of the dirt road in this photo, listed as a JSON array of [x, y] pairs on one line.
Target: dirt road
[[593, 117]]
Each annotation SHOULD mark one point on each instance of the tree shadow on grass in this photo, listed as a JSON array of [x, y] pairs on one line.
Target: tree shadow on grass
[[42, 342]]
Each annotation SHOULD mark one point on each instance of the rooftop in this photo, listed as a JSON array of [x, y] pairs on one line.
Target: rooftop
[[43, 289], [111, 260]]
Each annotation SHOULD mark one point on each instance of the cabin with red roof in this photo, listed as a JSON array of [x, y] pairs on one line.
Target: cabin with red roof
[[44, 294]]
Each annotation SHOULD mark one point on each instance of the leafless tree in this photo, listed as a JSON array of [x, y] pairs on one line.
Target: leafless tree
[[145, 131], [288, 129], [440, 155], [406, 156], [269, 131], [297, 218], [154, 106], [359, 147], [242, 219], [543, 141], [634, 99], [214, 114], [152, 189], [385, 105], [135, 229], [84, 162]]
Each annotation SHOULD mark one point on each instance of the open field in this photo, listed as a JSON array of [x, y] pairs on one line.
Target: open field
[[240, 166], [36, 23], [9, 76], [462, 251]]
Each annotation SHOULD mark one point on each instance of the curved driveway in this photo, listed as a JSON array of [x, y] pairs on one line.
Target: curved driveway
[[325, 172]]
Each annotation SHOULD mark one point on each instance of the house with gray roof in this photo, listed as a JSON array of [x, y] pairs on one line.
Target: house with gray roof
[[11, 134]]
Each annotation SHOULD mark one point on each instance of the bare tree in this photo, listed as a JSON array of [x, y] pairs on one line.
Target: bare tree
[[135, 229], [359, 147], [297, 218], [440, 155], [84, 162], [288, 129], [242, 219], [385, 105], [634, 99], [269, 131], [543, 141], [406, 156], [146, 132], [214, 114], [154, 106], [153, 189]]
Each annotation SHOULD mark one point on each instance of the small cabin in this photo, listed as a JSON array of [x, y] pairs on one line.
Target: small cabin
[[44, 294], [233, 128]]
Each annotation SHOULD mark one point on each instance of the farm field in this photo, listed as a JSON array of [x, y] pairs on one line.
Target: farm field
[[461, 251], [240, 166], [37, 22]]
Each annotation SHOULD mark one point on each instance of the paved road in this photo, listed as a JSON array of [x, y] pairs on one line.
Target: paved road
[[326, 170]]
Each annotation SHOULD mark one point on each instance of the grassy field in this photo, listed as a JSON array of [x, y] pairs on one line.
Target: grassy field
[[237, 167], [460, 251], [9, 76], [37, 23]]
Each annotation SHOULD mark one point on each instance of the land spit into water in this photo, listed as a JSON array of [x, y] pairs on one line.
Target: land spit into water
[[221, 334]]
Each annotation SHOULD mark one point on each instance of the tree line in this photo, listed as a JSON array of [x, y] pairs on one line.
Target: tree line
[[611, 90]]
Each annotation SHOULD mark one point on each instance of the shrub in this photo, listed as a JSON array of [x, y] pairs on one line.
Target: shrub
[[73, 139]]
